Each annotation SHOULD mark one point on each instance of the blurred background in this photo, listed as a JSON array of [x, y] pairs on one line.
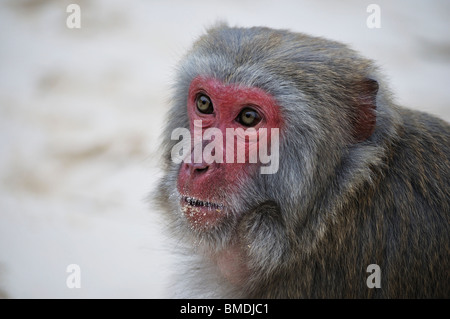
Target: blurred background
[[81, 111]]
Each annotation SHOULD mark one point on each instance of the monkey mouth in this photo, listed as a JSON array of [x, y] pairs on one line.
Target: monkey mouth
[[195, 202], [201, 214]]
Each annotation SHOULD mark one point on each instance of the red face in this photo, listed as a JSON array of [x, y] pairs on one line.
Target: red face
[[204, 185]]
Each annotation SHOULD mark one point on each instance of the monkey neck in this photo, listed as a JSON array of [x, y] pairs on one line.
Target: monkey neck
[[232, 264]]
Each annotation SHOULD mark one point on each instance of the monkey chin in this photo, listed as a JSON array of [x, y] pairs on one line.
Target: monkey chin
[[202, 214]]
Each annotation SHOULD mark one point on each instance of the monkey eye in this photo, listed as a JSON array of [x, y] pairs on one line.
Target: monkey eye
[[248, 117], [204, 104]]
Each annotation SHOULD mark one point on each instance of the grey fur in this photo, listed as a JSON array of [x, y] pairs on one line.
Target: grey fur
[[335, 206]]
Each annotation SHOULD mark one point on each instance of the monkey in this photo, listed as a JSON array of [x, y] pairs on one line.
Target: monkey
[[360, 181]]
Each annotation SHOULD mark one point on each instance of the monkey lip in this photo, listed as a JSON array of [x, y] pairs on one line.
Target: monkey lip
[[200, 213], [192, 201]]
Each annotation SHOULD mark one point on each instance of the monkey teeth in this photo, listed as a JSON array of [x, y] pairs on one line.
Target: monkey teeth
[[199, 203]]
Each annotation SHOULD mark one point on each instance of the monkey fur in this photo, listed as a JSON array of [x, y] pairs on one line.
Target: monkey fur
[[351, 190]]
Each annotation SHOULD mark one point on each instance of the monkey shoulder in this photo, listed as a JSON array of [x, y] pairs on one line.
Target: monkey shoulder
[[423, 143], [418, 160], [414, 191]]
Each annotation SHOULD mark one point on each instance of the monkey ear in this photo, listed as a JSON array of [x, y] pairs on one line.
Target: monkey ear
[[365, 117]]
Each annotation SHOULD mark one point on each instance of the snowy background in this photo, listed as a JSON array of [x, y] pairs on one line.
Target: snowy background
[[81, 111]]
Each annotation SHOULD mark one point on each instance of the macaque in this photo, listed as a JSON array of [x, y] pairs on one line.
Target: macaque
[[332, 175]]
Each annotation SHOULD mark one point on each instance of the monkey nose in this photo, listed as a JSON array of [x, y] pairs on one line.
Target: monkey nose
[[199, 167], [196, 168]]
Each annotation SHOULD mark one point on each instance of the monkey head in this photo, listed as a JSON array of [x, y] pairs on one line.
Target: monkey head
[[257, 83]]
